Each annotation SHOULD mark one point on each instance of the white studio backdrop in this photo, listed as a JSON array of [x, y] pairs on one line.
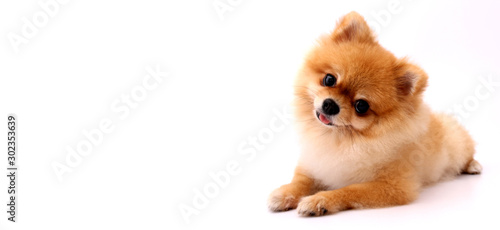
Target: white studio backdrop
[[129, 111]]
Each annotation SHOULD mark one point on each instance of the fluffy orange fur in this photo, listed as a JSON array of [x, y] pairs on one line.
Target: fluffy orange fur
[[376, 159]]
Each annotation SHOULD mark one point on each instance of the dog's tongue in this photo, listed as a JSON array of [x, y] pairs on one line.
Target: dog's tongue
[[324, 119]]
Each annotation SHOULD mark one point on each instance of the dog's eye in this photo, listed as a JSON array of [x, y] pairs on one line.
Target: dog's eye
[[361, 106], [329, 80]]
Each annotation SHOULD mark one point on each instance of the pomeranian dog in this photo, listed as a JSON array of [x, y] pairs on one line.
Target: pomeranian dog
[[367, 138]]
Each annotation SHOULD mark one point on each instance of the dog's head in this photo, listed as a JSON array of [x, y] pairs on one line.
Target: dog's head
[[349, 84]]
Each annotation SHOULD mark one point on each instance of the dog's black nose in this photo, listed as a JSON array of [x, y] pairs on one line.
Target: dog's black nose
[[330, 107]]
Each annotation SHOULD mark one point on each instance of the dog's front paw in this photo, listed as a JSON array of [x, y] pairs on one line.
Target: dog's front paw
[[315, 205], [283, 199]]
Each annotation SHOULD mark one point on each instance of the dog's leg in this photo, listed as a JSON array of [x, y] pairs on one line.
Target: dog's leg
[[394, 185], [473, 167], [287, 196], [365, 195]]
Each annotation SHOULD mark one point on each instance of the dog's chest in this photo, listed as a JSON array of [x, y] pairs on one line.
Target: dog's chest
[[337, 168]]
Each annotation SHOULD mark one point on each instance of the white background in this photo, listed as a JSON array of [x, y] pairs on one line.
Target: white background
[[226, 76]]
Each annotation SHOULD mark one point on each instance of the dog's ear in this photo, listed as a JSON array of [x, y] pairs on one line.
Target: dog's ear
[[411, 79], [352, 27]]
